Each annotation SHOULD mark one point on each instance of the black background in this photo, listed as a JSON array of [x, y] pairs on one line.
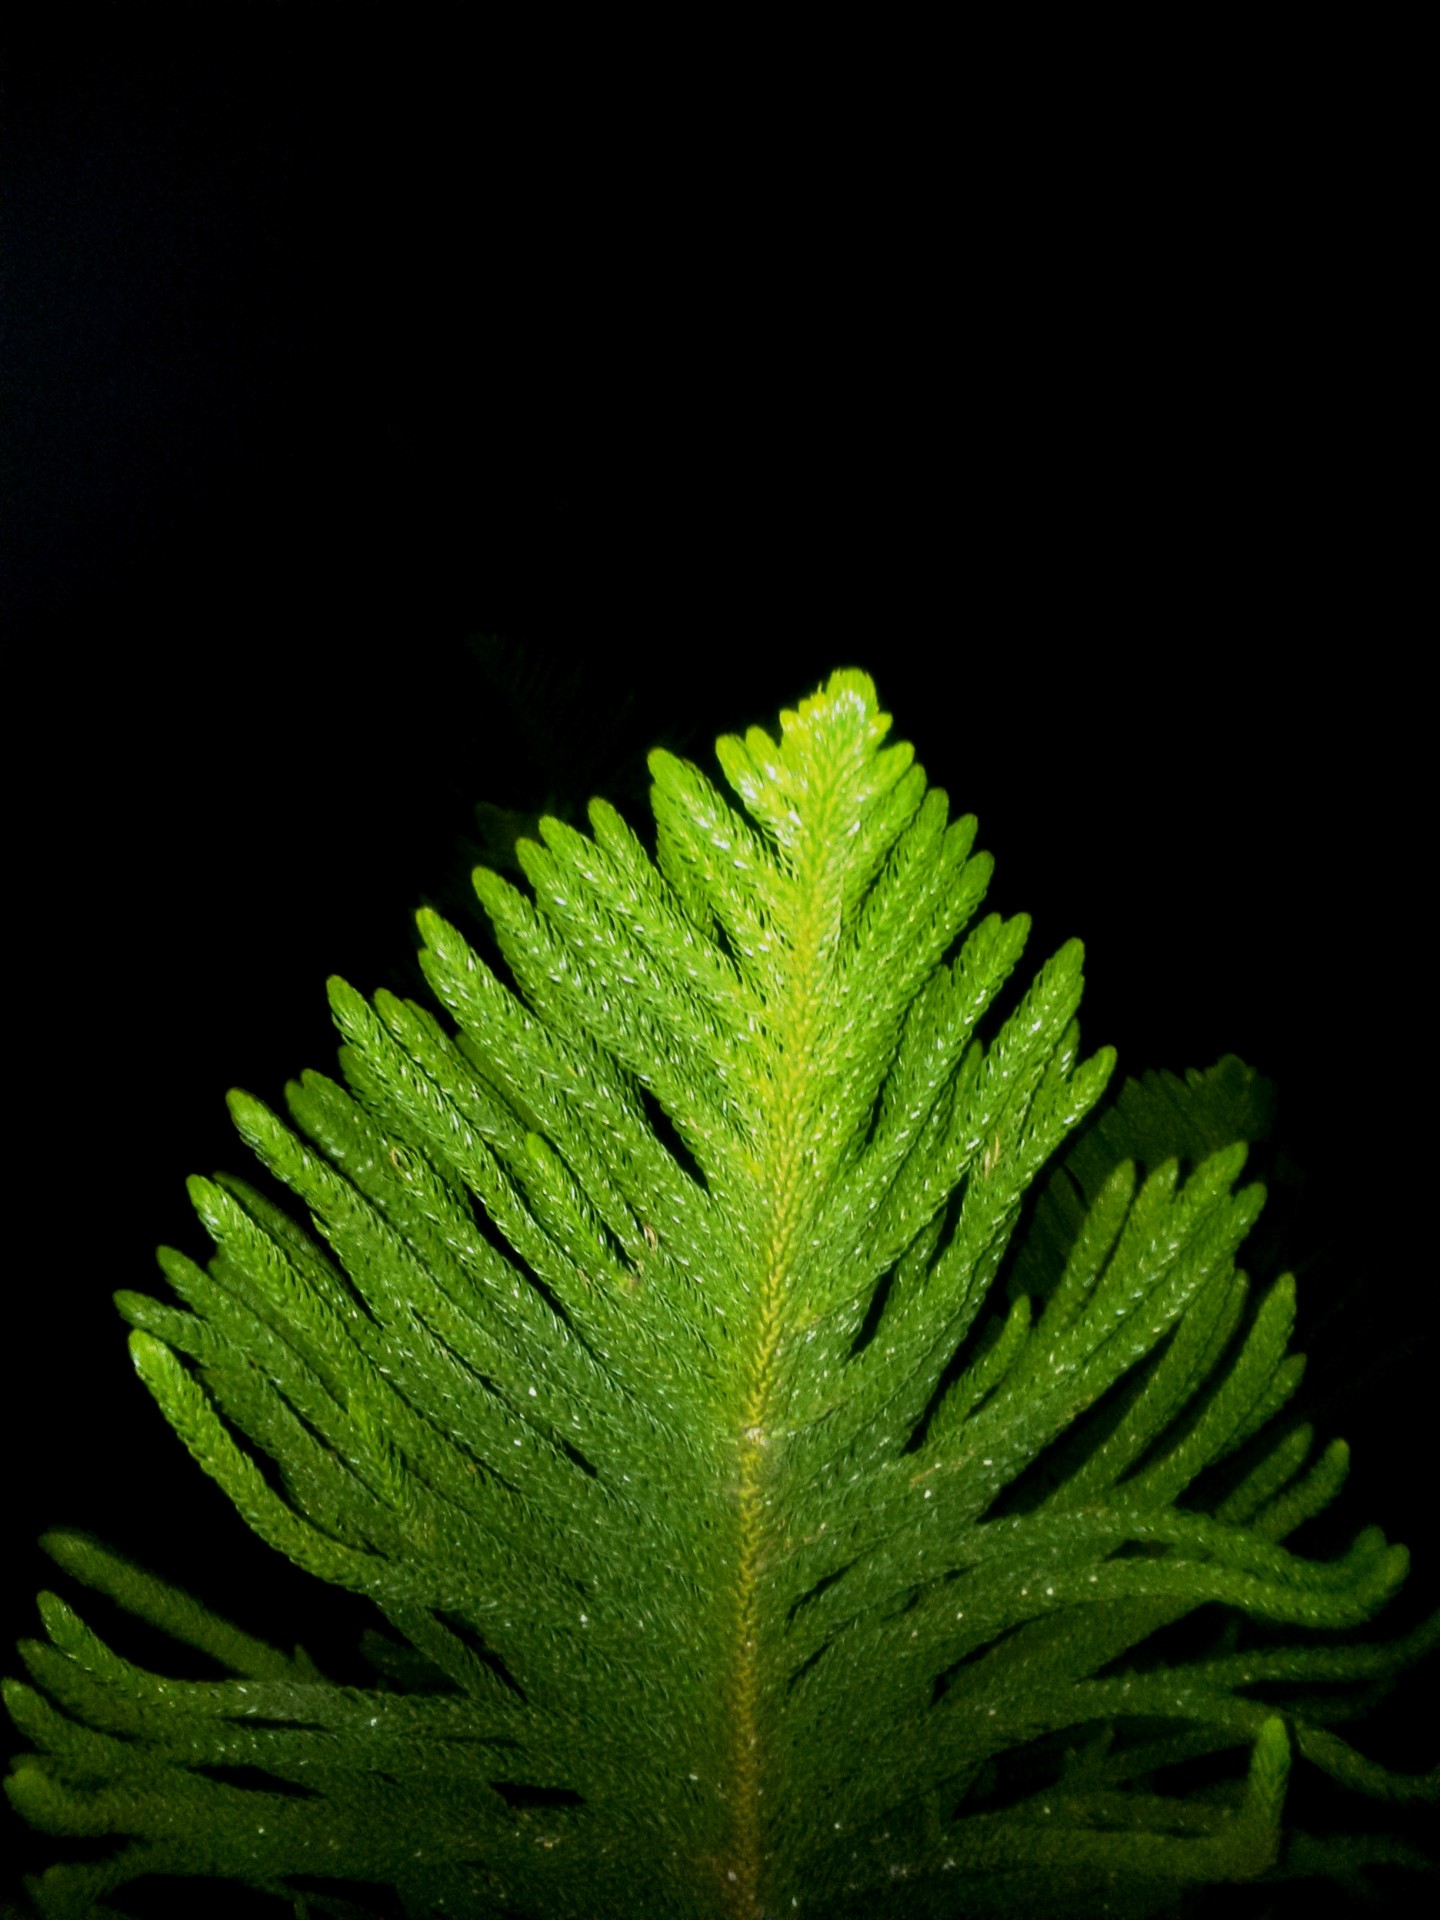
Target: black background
[[356, 377]]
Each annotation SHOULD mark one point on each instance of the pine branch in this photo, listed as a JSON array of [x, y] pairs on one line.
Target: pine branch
[[776, 1498]]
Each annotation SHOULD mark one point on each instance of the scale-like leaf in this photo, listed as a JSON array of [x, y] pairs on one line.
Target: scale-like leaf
[[743, 1549]]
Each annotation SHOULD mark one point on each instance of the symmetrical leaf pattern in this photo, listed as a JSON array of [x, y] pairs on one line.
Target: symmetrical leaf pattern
[[762, 1525]]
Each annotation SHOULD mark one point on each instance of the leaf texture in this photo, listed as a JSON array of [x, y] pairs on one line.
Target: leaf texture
[[740, 1493]]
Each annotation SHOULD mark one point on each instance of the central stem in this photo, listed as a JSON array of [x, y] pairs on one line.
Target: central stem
[[788, 1185], [755, 1467], [745, 1722]]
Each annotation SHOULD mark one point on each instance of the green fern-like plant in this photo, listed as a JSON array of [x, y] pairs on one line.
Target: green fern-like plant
[[760, 1523]]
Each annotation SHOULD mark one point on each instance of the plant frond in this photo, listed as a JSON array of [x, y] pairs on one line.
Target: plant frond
[[777, 1411]]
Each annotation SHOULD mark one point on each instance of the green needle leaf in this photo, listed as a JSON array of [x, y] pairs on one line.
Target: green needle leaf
[[772, 1405]]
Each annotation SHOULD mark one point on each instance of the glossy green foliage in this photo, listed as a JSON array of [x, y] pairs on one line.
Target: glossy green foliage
[[757, 1523]]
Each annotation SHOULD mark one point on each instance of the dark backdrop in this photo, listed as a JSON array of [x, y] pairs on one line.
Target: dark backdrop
[[388, 435]]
